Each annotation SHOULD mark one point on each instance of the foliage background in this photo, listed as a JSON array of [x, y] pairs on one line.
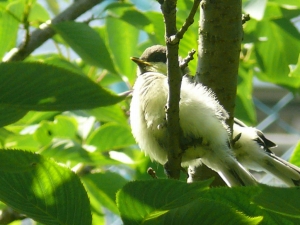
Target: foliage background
[[61, 102]]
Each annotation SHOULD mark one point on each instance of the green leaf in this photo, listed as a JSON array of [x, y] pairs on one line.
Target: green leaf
[[36, 86], [42, 190], [61, 127], [245, 109], [38, 14], [287, 2], [24, 141], [111, 136], [10, 115], [139, 201], [156, 29], [123, 39], [237, 197], [128, 13], [271, 198], [55, 60], [8, 28], [279, 47], [53, 5], [295, 158], [102, 188], [87, 43], [207, 211], [68, 151], [295, 70], [112, 113], [33, 117]]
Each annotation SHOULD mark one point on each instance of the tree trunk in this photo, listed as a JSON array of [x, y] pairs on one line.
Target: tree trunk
[[220, 36]]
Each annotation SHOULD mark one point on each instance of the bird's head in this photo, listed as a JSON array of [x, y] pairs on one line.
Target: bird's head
[[153, 59]]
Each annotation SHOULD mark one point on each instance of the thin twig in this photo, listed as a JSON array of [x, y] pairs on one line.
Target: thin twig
[[188, 22], [245, 18], [152, 173], [185, 62], [39, 36]]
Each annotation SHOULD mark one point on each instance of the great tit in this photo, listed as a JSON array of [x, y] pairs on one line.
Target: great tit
[[205, 135]]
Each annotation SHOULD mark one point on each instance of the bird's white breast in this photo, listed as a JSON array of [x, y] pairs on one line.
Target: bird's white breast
[[199, 112]]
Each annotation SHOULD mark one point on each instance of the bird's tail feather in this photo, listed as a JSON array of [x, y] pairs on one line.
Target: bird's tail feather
[[232, 172], [283, 170], [235, 175]]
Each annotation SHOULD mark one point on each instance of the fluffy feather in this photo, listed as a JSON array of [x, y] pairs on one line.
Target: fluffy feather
[[202, 120], [252, 150]]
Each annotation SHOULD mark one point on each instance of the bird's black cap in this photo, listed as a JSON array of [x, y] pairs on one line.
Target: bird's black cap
[[155, 53]]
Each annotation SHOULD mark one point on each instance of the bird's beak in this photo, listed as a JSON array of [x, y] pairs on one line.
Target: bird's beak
[[140, 62]]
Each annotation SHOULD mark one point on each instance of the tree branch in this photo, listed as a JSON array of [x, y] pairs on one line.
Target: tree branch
[[39, 36], [168, 8], [189, 20], [173, 165]]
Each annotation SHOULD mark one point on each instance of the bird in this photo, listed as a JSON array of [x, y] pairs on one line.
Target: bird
[[205, 135], [252, 150]]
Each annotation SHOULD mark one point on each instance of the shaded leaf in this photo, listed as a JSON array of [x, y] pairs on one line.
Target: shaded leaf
[[10, 115], [141, 200], [204, 212], [36, 86], [42, 190], [271, 198]]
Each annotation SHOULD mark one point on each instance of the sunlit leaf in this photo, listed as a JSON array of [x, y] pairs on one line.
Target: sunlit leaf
[[111, 136], [245, 109], [287, 2], [38, 14], [22, 141], [8, 27], [112, 113], [103, 188], [86, 42], [278, 48], [156, 29], [66, 151], [123, 39], [295, 158]]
